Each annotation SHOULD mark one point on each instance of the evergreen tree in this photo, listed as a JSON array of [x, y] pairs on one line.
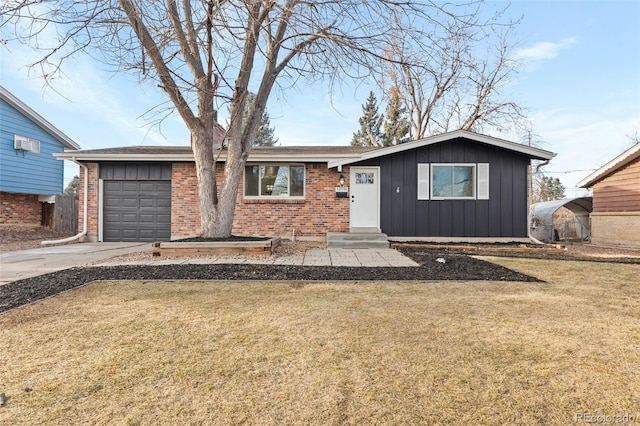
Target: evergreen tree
[[370, 123], [549, 189], [396, 124], [265, 134], [72, 187]]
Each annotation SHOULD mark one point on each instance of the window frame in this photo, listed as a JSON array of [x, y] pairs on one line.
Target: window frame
[[452, 165], [272, 197]]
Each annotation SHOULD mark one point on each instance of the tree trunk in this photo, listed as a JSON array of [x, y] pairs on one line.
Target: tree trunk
[[203, 154]]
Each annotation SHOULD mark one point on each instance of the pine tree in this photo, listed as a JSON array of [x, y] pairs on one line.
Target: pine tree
[[370, 123], [265, 134], [72, 187], [396, 124], [548, 189]]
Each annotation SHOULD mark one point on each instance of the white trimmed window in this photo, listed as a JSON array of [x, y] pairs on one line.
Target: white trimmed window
[[274, 180], [457, 181]]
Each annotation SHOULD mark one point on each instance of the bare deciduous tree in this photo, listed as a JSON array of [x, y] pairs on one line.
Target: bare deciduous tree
[[458, 84], [206, 53]]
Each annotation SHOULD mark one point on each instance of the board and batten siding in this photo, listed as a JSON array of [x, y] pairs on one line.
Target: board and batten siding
[[502, 215], [619, 192], [27, 172]]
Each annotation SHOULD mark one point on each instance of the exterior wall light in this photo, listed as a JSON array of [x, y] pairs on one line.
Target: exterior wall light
[[341, 180]]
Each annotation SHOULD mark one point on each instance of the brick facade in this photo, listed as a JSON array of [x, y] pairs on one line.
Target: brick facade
[[320, 211], [20, 209], [92, 205], [611, 229]]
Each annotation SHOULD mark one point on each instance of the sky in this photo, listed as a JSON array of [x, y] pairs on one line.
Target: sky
[[580, 86]]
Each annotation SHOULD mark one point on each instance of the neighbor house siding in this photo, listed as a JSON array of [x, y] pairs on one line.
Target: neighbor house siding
[[504, 214], [27, 172], [318, 213], [615, 219], [20, 209], [619, 192]]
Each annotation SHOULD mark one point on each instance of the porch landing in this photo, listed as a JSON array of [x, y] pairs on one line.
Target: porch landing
[[358, 238]]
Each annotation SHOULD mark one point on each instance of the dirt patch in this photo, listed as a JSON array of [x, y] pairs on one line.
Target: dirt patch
[[15, 238], [581, 252]]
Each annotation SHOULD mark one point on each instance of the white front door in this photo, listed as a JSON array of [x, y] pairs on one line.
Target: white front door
[[365, 197]]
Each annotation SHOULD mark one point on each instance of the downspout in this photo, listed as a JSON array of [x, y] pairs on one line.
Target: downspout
[[531, 237], [85, 208]]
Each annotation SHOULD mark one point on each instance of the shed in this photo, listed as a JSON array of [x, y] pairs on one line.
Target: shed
[[545, 228]]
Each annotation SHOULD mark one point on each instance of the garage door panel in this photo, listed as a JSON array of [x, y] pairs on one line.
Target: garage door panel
[[137, 210], [147, 218], [163, 218], [162, 202], [112, 202], [129, 202], [131, 186], [147, 202]]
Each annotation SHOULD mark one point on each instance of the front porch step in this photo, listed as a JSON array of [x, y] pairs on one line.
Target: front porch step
[[357, 240]]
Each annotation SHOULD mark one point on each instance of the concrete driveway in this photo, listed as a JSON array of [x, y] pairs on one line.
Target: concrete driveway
[[22, 264]]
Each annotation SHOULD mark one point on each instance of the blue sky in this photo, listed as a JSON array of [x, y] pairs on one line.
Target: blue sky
[[580, 86]]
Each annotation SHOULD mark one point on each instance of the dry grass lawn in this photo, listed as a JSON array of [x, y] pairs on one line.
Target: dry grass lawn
[[330, 353]]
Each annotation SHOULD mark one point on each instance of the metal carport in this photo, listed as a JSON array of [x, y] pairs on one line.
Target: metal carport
[[542, 226]]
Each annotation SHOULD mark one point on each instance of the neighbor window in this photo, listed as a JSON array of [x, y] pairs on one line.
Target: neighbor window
[[453, 181], [274, 180]]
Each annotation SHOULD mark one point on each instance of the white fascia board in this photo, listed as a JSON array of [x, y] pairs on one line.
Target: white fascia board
[[253, 158], [489, 140], [38, 119], [613, 165], [80, 156]]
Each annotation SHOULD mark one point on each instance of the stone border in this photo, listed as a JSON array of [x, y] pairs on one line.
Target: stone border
[[181, 248]]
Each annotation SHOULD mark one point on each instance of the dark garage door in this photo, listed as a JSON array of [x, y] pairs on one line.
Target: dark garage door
[[137, 210]]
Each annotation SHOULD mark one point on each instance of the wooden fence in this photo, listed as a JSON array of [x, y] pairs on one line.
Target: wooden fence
[[62, 216]]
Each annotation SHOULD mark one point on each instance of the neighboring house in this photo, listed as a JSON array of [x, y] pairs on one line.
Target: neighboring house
[[29, 173], [459, 185], [615, 219]]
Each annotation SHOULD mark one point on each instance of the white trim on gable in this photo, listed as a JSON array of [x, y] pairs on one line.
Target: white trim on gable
[[24, 109], [617, 163], [489, 140]]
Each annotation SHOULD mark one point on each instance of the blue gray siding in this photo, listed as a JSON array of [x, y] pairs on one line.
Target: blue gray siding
[[504, 214], [28, 173]]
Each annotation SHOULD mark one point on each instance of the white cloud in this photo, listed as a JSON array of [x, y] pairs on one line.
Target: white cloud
[[545, 50]]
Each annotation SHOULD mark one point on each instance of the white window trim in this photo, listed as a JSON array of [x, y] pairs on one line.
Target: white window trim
[[271, 197], [473, 173]]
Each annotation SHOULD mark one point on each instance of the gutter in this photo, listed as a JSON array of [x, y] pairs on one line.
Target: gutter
[[85, 207]]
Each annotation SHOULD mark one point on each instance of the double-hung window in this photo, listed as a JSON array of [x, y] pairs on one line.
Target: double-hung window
[[453, 181], [274, 180]]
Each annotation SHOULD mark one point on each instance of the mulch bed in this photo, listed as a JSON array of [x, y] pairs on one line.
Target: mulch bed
[[457, 266]]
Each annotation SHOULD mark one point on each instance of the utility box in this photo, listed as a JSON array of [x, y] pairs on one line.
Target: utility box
[[342, 192]]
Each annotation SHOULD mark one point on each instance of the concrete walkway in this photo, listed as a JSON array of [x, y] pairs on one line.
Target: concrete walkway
[[17, 265], [315, 257], [29, 263]]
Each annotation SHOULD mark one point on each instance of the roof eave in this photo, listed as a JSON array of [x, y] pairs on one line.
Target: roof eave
[[38, 119], [612, 166], [260, 157], [535, 153]]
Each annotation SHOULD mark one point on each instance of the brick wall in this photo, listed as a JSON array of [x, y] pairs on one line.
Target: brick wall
[[20, 209], [92, 207], [320, 212], [616, 229]]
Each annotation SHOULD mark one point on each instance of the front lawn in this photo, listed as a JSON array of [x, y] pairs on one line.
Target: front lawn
[[185, 352]]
